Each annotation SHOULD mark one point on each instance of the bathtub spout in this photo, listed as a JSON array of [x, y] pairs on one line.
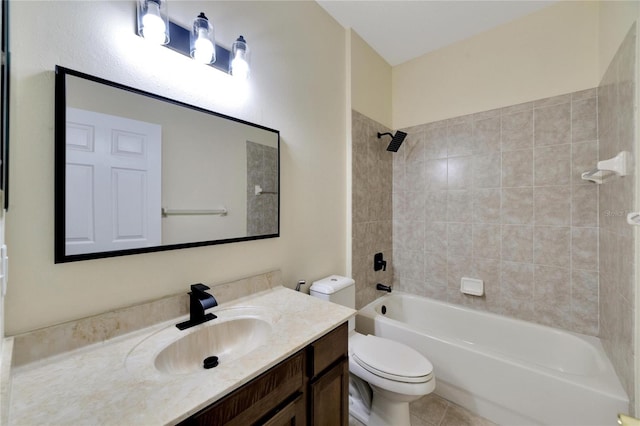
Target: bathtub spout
[[383, 287]]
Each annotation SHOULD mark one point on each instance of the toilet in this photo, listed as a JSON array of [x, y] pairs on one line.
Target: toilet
[[385, 376]]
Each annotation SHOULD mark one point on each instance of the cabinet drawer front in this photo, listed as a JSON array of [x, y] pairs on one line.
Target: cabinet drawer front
[[328, 349], [251, 402]]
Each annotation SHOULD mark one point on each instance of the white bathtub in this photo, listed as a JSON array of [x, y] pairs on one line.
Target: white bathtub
[[510, 371]]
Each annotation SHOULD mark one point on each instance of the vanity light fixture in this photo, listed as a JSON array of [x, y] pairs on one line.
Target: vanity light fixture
[[197, 42], [153, 21], [202, 40]]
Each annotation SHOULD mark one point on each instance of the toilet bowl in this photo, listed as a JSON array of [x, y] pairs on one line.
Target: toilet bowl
[[396, 373]]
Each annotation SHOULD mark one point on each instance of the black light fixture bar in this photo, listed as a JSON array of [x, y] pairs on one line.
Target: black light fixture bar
[[179, 42]]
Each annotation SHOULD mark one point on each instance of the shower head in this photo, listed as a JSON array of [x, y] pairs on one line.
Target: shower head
[[396, 140]]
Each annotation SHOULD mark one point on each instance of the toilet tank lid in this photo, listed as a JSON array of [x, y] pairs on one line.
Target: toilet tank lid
[[331, 284]]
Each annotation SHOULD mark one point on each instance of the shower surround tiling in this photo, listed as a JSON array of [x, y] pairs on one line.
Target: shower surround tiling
[[498, 196]]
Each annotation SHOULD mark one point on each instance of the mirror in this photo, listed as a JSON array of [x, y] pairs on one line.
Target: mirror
[[137, 172]]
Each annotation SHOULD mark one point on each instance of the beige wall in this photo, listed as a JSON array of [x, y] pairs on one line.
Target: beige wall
[[370, 82], [547, 53], [289, 88]]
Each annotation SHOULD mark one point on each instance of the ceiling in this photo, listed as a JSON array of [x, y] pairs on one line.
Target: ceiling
[[400, 30]]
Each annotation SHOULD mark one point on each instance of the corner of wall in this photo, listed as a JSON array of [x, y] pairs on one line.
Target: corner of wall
[[370, 82]]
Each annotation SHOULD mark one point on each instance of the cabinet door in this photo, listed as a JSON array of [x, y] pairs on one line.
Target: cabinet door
[[329, 405], [293, 414]]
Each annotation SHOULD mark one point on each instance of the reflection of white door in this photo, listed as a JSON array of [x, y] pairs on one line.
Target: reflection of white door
[[113, 179]]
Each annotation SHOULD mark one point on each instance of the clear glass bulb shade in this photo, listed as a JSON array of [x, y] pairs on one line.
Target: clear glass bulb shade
[[202, 40], [239, 65], [153, 21]]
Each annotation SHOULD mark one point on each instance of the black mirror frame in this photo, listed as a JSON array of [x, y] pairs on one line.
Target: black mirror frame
[[60, 174]]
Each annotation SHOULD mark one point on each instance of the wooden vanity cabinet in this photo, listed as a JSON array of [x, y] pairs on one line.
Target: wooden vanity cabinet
[[328, 396], [309, 388]]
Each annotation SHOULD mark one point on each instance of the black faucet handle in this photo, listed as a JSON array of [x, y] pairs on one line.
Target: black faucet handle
[[379, 262], [198, 288]]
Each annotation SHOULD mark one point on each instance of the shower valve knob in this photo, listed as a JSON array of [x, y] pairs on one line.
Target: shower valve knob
[[379, 262]]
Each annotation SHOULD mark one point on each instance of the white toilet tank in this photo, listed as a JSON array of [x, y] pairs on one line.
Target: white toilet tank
[[336, 289]]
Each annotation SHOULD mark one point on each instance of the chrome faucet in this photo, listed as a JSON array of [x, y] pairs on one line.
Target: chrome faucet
[[199, 301]]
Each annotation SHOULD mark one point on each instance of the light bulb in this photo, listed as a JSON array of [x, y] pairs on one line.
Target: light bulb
[[202, 40], [153, 26], [239, 66], [203, 49]]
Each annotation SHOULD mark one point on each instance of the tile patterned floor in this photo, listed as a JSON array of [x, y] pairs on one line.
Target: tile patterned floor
[[433, 410]]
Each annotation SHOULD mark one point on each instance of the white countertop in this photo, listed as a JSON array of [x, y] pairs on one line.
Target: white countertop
[[97, 385]]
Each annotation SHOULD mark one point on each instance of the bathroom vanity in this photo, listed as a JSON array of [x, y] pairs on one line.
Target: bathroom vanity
[[283, 356], [313, 384]]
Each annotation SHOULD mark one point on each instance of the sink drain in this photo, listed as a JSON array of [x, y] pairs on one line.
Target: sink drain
[[210, 362]]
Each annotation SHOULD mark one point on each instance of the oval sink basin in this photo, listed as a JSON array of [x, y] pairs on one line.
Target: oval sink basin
[[226, 340], [236, 332]]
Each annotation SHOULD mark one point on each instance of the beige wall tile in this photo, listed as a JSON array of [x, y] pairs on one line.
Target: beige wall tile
[[517, 280], [584, 120], [584, 305], [414, 205], [435, 206], [486, 241], [459, 206], [486, 170], [517, 131], [459, 172], [552, 205], [435, 237], [584, 248], [517, 206], [517, 243], [460, 137], [584, 94], [459, 239], [554, 100], [435, 142], [584, 205], [486, 205], [552, 165], [434, 176], [552, 245], [527, 106], [552, 124], [486, 134], [552, 291], [435, 268], [414, 149], [517, 168]]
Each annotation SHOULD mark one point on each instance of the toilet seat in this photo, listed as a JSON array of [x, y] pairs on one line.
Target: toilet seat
[[390, 360]]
